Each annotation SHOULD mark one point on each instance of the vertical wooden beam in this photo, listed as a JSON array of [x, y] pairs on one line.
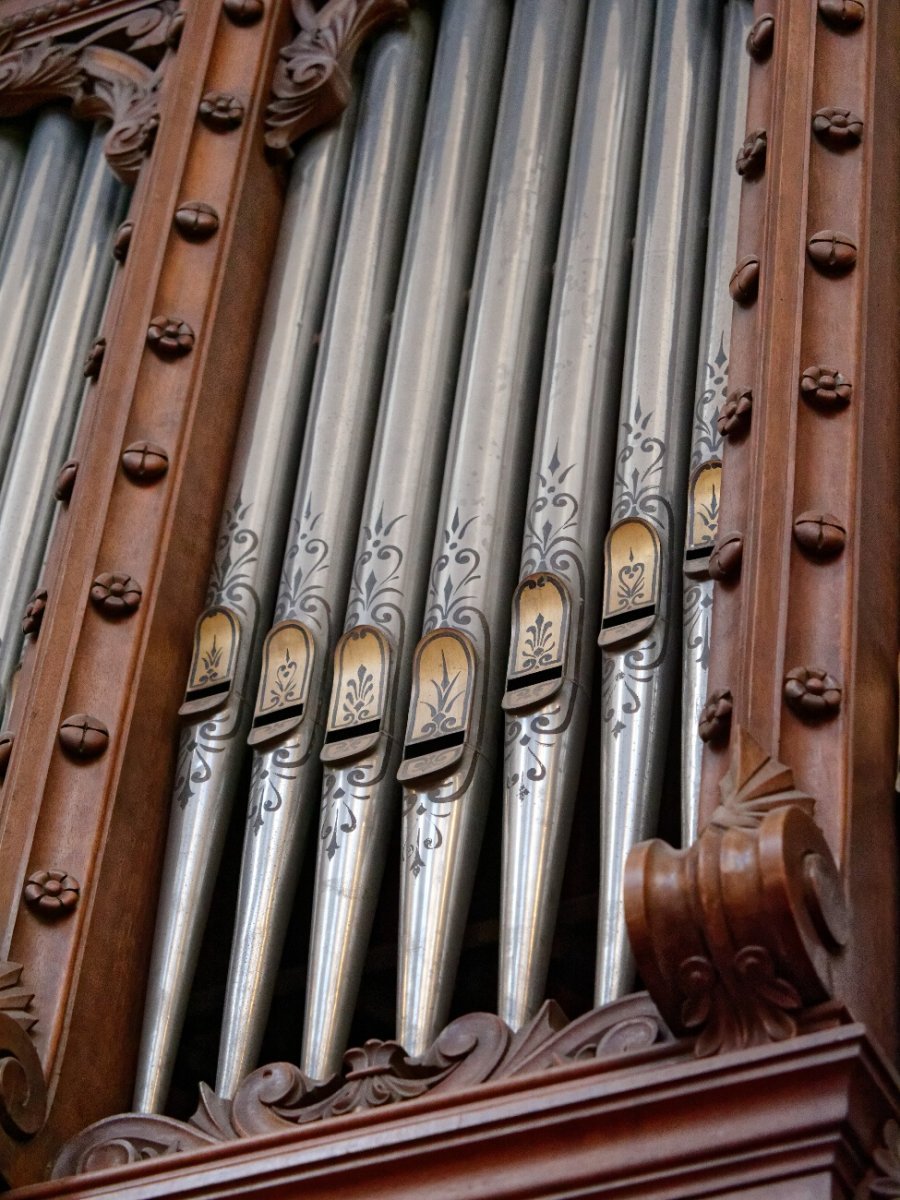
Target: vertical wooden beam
[[102, 819], [813, 485]]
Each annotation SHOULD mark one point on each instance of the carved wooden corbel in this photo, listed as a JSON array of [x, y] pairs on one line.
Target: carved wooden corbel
[[113, 74], [312, 81], [23, 1091], [279, 1097], [739, 933]]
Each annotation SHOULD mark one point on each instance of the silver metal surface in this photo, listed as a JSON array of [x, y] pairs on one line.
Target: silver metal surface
[[568, 503], [448, 760], [711, 390], [640, 658], [52, 401], [244, 578], [360, 796], [13, 145], [37, 225], [285, 781]]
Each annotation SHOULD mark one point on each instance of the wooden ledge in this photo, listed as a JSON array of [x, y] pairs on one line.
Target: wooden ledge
[[800, 1119]]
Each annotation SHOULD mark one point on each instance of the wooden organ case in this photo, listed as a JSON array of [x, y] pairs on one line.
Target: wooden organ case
[[759, 1059]]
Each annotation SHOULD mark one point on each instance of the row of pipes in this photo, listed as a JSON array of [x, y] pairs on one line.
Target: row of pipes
[[477, 361], [59, 208]]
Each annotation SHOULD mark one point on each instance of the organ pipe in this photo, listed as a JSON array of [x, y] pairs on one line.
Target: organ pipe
[[704, 485], [449, 755], [295, 669], [52, 400], [555, 607], [364, 726], [641, 607], [241, 592], [37, 226], [13, 144]]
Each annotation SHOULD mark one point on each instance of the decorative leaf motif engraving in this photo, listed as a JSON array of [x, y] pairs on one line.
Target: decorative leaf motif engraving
[[269, 774], [303, 577], [540, 643], [631, 581], [707, 440], [551, 524], [449, 600], [285, 687]]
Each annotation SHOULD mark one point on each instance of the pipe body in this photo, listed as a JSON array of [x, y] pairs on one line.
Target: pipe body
[[555, 608], [36, 227], [711, 390], [52, 400], [242, 585], [13, 147], [295, 673], [449, 757], [641, 617], [364, 727]]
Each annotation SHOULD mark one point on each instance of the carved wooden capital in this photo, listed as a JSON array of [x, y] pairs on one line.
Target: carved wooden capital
[[312, 84], [279, 1097], [112, 74], [23, 1091], [737, 934]]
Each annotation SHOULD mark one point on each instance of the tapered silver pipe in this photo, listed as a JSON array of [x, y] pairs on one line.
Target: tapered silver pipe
[[449, 753], [52, 400], [295, 674], [641, 608], [555, 608], [370, 684], [712, 386], [37, 225], [241, 591], [13, 144]]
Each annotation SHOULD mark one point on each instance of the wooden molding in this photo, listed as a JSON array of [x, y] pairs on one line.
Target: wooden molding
[[802, 1118], [279, 1097]]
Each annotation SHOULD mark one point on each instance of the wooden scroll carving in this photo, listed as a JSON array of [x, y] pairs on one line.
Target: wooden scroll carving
[[736, 935], [112, 74], [23, 1092], [471, 1050], [312, 83]]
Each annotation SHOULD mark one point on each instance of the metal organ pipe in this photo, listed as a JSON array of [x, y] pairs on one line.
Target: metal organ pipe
[[453, 724], [51, 404], [13, 144], [370, 686], [704, 488], [37, 224], [295, 672], [641, 610], [555, 610], [241, 591]]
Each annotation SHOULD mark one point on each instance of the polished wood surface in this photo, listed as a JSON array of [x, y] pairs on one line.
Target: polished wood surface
[[805, 640]]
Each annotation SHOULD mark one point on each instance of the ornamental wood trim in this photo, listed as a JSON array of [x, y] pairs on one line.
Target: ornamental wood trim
[[801, 1119], [103, 820]]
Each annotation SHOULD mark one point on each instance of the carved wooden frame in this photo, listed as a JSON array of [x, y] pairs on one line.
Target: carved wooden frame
[[758, 898]]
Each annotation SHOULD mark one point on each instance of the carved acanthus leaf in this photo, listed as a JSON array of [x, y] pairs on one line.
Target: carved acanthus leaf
[[736, 935], [312, 83], [755, 785], [104, 76], [23, 1092], [470, 1051]]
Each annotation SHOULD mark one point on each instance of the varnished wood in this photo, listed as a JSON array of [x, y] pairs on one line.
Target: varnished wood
[[104, 821], [798, 1121]]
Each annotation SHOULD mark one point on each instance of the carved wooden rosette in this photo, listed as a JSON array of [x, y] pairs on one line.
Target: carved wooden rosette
[[103, 81], [737, 934], [312, 82], [470, 1051]]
